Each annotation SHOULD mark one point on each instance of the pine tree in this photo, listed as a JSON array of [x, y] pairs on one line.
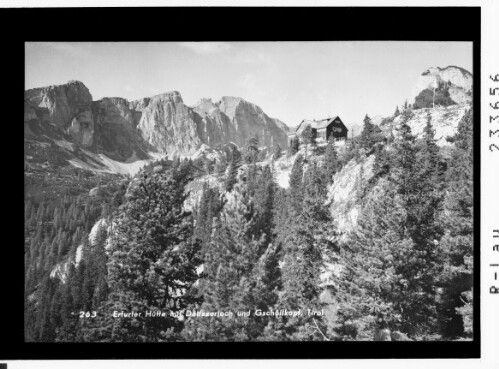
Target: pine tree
[[294, 146], [276, 152], [370, 135], [308, 138], [232, 171], [457, 243], [309, 236], [331, 163], [252, 150], [209, 207], [404, 164], [382, 161], [152, 263], [235, 268], [392, 264], [428, 195], [263, 195], [295, 184], [375, 276]]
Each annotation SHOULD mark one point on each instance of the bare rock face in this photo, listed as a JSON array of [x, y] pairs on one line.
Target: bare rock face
[[460, 82], [67, 106], [82, 128], [168, 125], [174, 128], [249, 119], [115, 110], [115, 126], [345, 192], [233, 119]]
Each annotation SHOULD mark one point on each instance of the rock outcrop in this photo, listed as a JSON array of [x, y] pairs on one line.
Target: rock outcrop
[[346, 191], [444, 120], [68, 106], [233, 119], [168, 125], [458, 80], [172, 127]]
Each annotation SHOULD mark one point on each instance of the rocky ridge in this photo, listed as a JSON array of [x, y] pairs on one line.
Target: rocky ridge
[[127, 131]]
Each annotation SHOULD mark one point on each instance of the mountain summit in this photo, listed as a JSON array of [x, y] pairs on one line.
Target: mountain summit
[[458, 82]]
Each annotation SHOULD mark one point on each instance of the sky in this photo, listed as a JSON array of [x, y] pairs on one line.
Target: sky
[[290, 81]]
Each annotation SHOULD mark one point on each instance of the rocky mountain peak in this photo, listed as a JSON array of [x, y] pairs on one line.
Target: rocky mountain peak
[[171, 96], [456, 75], [63, 102], [205, 106], [229, 104], [68, 106], [167, 97], [458, 82]]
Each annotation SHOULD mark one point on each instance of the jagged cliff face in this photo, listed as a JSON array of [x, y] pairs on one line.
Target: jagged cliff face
[[345, 193], [68, 106], [115, 130], [233, 119], [460, 82], [127, 131], [172, 127], [168, 125]]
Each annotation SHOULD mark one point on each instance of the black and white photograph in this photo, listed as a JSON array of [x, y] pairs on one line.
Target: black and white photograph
[[262, 191]]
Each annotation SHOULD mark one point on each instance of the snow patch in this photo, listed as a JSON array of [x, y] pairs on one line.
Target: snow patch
[[123, 168]]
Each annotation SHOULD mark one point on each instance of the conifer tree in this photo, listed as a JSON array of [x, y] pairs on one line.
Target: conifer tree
[[209, 207], [276, 152], [370, 135], [308, 238], [236, 266], [428, 195], [252, 150], [153, 261], [392, 263], [295, 184], [232, 171], [308, 138], [294, 146], [331, 163], [264, 203], [457, 243], [375, 273]]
